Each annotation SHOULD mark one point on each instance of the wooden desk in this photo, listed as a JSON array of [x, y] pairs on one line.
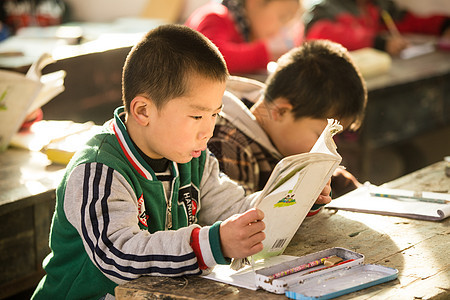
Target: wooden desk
[[27, 202], [418, 249], [93, 67]]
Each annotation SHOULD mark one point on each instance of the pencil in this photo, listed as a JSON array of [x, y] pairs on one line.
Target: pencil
[[390, 23], [418, 196], [339, 263], [300, 268]]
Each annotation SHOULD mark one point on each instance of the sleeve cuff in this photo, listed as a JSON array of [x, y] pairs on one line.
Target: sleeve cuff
[[205, 242], [315, 209], [214, 240]]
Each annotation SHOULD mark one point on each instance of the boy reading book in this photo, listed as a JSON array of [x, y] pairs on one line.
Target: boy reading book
[[145, 197], [312, 83]]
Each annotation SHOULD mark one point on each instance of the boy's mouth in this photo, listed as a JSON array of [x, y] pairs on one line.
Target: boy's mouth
[[196, 153]]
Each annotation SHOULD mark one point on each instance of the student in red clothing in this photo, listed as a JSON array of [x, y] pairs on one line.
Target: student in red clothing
[[250, 33], [358, 24]]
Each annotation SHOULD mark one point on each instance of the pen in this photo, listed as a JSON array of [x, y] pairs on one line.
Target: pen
[[418, 196], [390, 23]]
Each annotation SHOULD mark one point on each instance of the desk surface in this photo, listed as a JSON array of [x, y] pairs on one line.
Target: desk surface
[[26, 176], [418, 249], [404, 71], [87, 37]]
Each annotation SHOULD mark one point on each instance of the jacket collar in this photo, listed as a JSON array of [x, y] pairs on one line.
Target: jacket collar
[[130, 151]]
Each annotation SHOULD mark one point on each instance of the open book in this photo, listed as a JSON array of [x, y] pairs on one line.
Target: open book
[[22, 94], [292, 189]]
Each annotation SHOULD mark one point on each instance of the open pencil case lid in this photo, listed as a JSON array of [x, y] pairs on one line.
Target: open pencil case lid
[[340, 282], [322, 282]]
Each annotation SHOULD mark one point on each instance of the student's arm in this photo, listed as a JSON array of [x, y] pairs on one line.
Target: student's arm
[[240, 56], [344, 30], [434, 25], [240, 233], [220, 196], [103, 208]]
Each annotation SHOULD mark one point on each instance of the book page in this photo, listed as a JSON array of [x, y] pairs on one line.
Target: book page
[[286, 207], [21, 94], [292, 189], [16, 95]]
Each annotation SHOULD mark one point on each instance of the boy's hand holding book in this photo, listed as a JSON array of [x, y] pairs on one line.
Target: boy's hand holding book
[[241, 235], [296, 183], [324, 197]]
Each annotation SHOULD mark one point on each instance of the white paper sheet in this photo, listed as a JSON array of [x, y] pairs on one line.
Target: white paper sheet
[[360, 200]]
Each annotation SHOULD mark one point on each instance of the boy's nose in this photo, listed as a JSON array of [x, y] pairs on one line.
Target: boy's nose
[[207, 130]]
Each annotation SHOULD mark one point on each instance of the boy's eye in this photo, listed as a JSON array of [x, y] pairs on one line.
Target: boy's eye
[[215, 115]]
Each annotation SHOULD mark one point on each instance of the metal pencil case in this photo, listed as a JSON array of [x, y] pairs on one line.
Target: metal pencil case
[[321, 282]]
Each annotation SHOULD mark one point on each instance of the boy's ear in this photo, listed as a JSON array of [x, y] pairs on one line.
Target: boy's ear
[[281, 109], [140, 110]]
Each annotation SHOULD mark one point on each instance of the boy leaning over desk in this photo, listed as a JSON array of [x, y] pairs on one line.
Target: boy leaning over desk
[[145, 197], [312, 83]]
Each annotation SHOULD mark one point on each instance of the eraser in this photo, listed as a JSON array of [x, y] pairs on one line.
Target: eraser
[[331, 261]]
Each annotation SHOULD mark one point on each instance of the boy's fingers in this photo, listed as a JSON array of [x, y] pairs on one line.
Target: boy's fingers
[[257, 238], [255, 227], [256, 248], [254, 244], [251, 215], [322, 199], [327, 189]]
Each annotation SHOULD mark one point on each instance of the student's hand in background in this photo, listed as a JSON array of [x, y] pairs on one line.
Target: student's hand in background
[[395, 45], [343, 182], [446, 33], [241, 235], [324, 197]]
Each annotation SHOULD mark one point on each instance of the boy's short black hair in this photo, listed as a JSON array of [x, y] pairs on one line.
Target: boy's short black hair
[[160, 65], [320, 80]]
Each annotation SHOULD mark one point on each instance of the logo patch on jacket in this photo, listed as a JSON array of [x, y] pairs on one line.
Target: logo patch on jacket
[[188, 197], [142, 215]]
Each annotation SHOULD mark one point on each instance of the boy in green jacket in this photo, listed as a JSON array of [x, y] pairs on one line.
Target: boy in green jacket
[[144, 196]]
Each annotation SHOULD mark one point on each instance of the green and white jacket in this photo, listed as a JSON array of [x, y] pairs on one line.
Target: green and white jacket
[[112, 223]]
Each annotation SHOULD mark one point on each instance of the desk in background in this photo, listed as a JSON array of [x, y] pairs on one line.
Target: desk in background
[[418, 249], [412, 99], [93, 66], [27, 202]]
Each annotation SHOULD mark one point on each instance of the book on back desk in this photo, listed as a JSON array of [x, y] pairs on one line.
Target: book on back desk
[[395, 202]]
